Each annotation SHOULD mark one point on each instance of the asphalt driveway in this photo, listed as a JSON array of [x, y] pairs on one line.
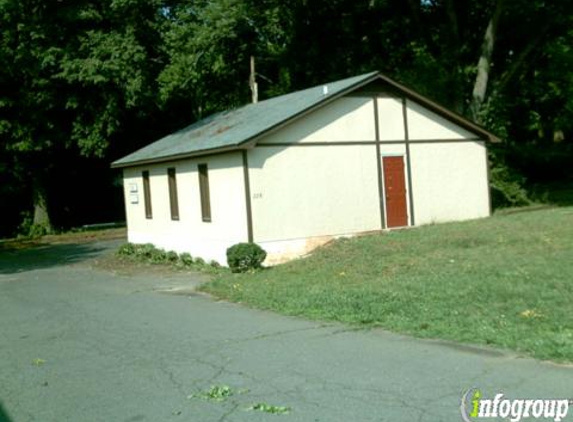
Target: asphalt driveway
[[81, 343]]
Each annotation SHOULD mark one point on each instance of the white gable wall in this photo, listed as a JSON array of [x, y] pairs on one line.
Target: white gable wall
[[449, 178], [391, 119], [346, 119], [208, 240], [449, 181], [425, 124]]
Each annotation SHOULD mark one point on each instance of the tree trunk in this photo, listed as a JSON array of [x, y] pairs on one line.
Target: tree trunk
[[41, 215], [484, 63]]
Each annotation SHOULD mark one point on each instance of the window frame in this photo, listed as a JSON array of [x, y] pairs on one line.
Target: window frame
[[173, 196], [204, 192], [147, 194]]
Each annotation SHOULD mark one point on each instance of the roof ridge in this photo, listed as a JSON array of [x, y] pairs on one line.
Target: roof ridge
[[300, 91]]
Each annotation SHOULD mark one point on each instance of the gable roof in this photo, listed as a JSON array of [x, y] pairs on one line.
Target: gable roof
[[234, 129]]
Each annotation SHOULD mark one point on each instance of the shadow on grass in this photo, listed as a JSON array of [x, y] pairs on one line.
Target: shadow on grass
[[4, 415], [48, 256]]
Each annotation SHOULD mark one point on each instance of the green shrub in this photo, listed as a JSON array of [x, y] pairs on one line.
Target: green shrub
[[243, 257], [506, 183], [146, 250], [172, 256], [507, 188], [186, 259], [148, 253], [127, 249], [158, 256]]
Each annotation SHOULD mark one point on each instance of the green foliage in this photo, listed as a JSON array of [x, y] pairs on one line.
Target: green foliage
[[507, 187], [74, 77], [157, 256], [209, 46], [172, 256], [505, 281], [215, 393], [269, 408], [244, 257], [28, 229], [77, 71], [221, 393], [38, 362], [149, 254], [127, 249], [185, 259], [146, 252]]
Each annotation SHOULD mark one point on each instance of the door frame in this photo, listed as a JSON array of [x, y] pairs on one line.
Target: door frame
[[383, 184]]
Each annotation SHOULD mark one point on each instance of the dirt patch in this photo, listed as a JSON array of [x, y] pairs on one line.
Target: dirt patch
[[87, 236], [121, 266]]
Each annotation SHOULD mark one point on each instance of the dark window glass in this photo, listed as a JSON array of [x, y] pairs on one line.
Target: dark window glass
[[173, 200], [204, 191], [147, 195]]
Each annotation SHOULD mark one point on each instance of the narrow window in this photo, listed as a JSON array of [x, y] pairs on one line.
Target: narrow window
[[204, 191], [173, 201], [147, 195]]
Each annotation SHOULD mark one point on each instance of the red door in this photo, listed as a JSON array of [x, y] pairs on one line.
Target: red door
[[395, 187]]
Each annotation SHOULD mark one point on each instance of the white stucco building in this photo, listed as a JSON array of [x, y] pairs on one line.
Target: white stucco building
[[292, 172]]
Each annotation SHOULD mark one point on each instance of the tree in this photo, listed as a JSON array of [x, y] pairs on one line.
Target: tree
[[72, 72], [209, 45]]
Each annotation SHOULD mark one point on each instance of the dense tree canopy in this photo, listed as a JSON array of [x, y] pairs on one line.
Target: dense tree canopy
[[83, 82]]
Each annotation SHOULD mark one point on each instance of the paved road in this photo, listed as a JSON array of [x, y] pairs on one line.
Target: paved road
[[78, 343]]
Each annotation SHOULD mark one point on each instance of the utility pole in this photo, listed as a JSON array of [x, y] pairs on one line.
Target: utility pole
[[253, 82]]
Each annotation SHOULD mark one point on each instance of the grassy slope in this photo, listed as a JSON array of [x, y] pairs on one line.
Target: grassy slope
[[505, 281]]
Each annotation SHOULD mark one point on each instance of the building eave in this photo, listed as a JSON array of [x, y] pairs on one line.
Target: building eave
[[177, 157]]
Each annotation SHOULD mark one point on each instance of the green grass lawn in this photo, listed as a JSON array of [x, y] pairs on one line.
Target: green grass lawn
[[505, 281]]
